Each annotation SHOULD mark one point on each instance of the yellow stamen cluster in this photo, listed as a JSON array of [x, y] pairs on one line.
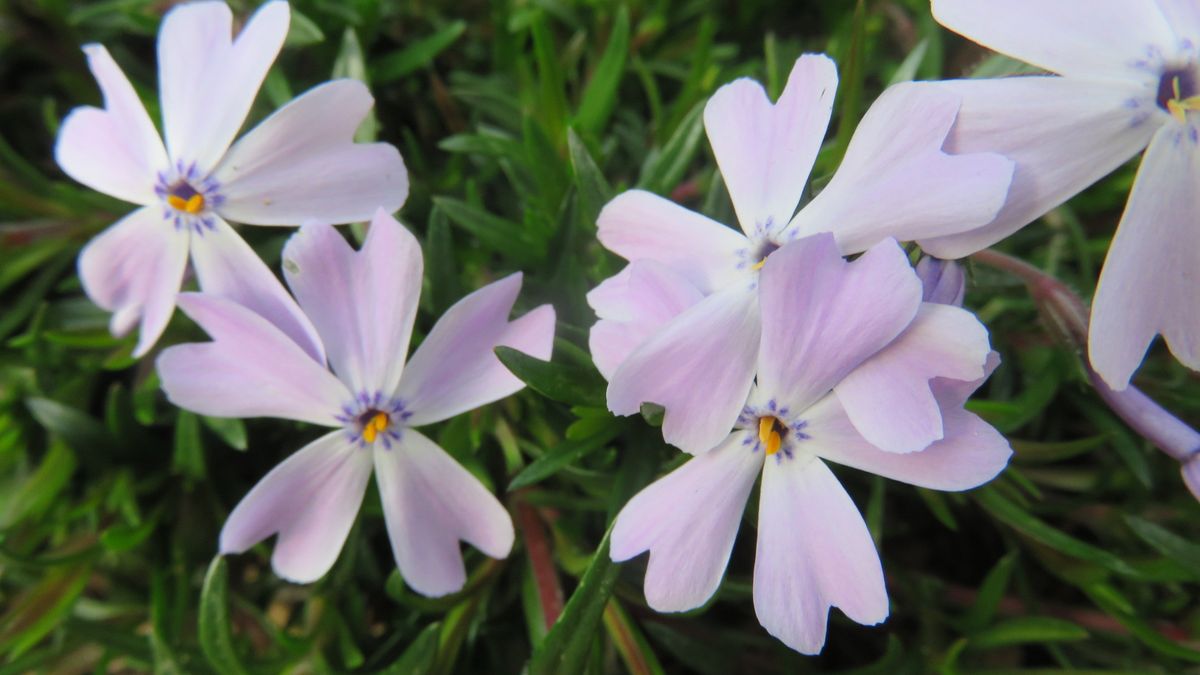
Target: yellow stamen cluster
[[769, 433], [1179, 106], [759, 265], [192, 205], [375, 426]]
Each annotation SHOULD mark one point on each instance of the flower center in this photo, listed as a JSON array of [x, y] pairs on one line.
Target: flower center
[[766, 249], [373, 423], [1179, 92], [183, 197], [771, 433]]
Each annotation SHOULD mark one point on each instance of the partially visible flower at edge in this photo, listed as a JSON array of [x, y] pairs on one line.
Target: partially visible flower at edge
[[679, 326], [823, 321], [300, 163], [363, 305], [1127, 78]]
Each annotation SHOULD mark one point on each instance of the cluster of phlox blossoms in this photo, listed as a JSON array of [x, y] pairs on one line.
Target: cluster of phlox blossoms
[[803, 338]]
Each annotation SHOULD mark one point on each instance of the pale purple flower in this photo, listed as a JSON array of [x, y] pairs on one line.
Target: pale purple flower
[[1127, 78], [363, 305], [943, 281], [300, 163], [824, 322], [679, 326]]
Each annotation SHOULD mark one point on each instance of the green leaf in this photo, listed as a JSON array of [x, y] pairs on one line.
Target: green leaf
[[1022, 521], [1026, 630], [78, 430], [600, 94], [216, 637], [566, 646], [1107, 598], [991, 591], [417, 55], [188, 460], [559, 457], [229, 429], [501, 235], [850, 87], [418, 657], [39, 492], [552, 97], [34, 612], [631, 644], [352, 64], [907, 70], [303, 31], [1167, 543], [664, 170], [590, 183], [563, 383]]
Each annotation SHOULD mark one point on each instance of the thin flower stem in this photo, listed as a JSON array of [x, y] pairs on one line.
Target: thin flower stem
[[1068, 314], [537, 546]]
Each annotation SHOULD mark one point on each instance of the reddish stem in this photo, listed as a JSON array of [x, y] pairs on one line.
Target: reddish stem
[[537, 546]]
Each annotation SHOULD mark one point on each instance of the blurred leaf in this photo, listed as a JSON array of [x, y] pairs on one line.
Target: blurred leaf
[[556, 381], [593, 189], [83, 433], [418, 658], [303, 31], [1103, 595], [1029, 629], [351, 63], [559, 457], [1016, 517], [566, 646], [991, 591], [600, 95], [850, 86], [1166, 542], [552, 97], [189, 448], [216, 637], [503, 236], [907, 70], [417, 55], [229, 429], [40, 491], [664, 170], [31, 614]]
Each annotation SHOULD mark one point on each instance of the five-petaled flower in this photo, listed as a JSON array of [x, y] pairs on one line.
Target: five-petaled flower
[[679, 326], [825, 323], [300, 163], [1127, 77], [363, 305]]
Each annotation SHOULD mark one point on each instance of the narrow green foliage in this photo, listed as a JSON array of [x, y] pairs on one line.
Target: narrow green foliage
[[216, 639]]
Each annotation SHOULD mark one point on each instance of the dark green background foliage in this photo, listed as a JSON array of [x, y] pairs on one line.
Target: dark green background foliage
[[518, 120]]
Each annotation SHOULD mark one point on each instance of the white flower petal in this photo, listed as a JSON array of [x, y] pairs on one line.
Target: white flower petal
[[688, 520], [116, 150], [207, 80], [765, 151], [226, 266], [456, 369], [897, 181], [633, 305], [430, 503], [1103, 39], [814, 552], [971, 453], [311, 500], [362, 303], [639, 224], [888, 397], [250, 369], [699, 367], [134, 269], [1063, 134], [1151, 278], [822, 316], [302, 164]]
